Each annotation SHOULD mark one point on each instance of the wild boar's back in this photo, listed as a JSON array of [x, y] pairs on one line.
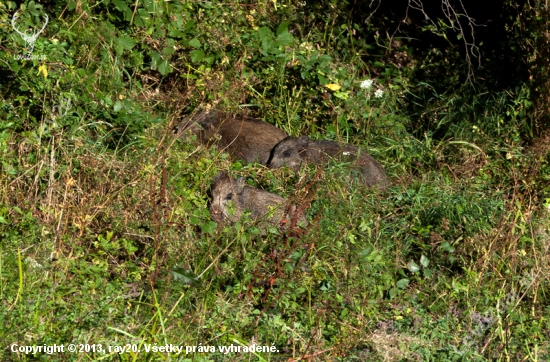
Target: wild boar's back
[[373, 173], [242, 137], [249, 139]]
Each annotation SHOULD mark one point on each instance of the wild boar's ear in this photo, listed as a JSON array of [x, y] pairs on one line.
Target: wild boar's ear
[[303, 141], [219, 177], [189, 124], [204, 119], [183, 125], [239, 184]]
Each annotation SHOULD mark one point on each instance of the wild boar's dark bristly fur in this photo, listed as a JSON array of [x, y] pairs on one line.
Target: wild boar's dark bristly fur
[[242, 137], [292, 152], [265, 207]]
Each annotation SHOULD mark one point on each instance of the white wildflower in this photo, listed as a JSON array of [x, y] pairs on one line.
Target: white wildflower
[[367, 84], [379, 93]]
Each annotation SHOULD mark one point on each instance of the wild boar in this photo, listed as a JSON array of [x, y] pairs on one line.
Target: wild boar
[[265, 207], [293, 151], [243, 137]]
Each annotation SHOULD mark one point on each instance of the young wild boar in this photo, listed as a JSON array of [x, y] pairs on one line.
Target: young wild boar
[[245, 138], [265, 207], [293, 151]]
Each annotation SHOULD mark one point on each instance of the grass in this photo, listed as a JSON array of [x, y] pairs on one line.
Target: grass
[[106, 235]]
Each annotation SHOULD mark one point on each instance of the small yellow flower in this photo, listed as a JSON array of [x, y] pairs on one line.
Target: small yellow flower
[[333, 87], [44, 70]]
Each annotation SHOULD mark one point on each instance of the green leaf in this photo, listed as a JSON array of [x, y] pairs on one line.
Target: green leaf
[[209, 60], [194, 220], [196, 55], [175, 33], [129, 246], [428, 273], [123, 8], [209, 227], [150, 6], [184, 275], [118, 106], [142, 18], [265, 33], [424, 261], [447, 247], [412, 266], [282, 28], [168, 51], [402, 284], [341, 95], [126, 42], [285, 39], [190, 27], [195, 43], [155, 57]]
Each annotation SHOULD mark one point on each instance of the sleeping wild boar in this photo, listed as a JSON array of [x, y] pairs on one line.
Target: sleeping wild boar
[[292, 152], [242, 137]]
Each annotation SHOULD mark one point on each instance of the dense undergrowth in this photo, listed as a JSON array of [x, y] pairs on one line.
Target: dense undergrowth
[[106, 237]]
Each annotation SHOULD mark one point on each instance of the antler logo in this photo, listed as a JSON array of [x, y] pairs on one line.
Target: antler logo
[[59, 110], [62, 108], [28, 36]]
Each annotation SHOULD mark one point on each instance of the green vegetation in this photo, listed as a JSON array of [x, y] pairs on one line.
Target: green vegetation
[[105, 232]]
